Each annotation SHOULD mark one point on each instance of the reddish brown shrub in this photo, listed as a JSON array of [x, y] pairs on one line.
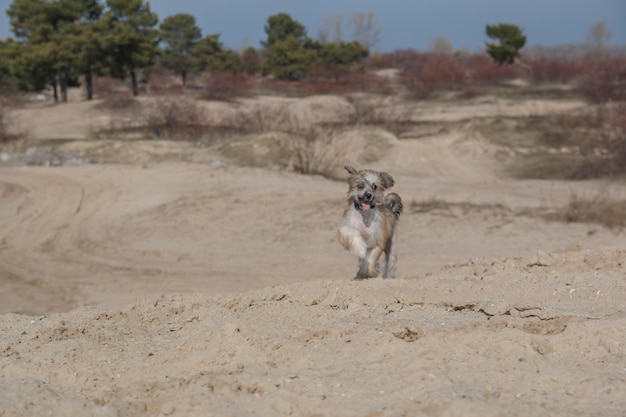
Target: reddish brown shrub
[[547, 70], [161, 83], [481, 69], [605, 81], [438, 72], [405, 60], [225, 86], [105, 87], [344, 82]]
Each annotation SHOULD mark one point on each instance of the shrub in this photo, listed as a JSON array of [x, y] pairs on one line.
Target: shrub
[[161, 83], [435, 73], [118, 101], [547, 70], [315, 150], [605, 81], [343, 82], [106, 86], [481, 69], [175, 118], [599, 209], [579, 146], [6, 134], [225, 86]]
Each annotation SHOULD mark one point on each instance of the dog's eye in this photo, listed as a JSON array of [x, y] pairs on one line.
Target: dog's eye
[[360, 186], [374, 187]]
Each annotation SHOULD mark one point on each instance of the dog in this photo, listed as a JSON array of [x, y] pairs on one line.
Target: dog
[[369, 223]]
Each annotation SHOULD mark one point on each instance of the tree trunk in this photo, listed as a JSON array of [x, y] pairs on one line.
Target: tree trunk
[[133, 76], [55, 92], [184, 75], [63, 83], [89, 85]]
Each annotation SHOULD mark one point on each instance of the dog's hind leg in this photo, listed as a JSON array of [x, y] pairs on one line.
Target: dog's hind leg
[[391, 257]]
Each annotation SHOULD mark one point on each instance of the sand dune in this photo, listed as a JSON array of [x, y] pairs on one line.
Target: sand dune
[[178, 283]]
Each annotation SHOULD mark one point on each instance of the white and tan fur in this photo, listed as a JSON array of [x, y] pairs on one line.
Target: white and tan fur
[[369, 223]]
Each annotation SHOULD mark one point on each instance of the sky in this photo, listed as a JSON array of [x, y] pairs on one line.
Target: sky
[[405, 24]]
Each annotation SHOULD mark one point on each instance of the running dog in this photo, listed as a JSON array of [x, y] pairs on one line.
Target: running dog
[[369, 223]]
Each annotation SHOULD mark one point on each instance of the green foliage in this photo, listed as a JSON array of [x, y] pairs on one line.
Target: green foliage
[[289, 59], [510, 40], [55, 41], [342, 55], [129, 39], [59, 40], [290, 55], [179, 34], [209, 55], [250, 61], [280, 27]]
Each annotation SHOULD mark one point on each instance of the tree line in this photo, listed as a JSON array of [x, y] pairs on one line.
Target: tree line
[[59, 42]]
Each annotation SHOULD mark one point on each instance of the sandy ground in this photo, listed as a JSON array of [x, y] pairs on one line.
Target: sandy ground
[[178, 283]]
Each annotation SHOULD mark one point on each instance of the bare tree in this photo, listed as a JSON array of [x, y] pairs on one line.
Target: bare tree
[[365, 29], [441, 45], [331, 29], [598, 35]]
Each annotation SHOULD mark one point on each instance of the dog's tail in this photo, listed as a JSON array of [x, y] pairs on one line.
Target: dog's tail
[[394, 203]]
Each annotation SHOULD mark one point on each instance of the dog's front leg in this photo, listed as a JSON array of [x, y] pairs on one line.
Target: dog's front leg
[[367, 264]]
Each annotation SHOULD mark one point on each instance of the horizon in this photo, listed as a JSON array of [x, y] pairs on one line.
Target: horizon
[[404, 25]]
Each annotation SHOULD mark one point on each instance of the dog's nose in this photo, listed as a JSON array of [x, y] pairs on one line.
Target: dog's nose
[[367, 195]]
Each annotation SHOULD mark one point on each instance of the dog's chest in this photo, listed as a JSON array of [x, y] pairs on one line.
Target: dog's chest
[[366, 223]]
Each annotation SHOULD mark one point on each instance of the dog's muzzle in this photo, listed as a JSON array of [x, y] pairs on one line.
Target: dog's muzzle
[[366, 202]]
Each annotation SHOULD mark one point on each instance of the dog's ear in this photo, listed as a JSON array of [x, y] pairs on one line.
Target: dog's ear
[[386, 180], [351, 170]]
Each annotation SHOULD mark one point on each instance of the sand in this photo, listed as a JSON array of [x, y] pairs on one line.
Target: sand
[[175, 282]]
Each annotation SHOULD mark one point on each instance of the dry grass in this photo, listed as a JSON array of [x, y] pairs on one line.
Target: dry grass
[[7, 134], [395, 117], [307, 147], [598, 209], [175, 118], [122, 101], [434, 205], [317, 151], [580, 145]]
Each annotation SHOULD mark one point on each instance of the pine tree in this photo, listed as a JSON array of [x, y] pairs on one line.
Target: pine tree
[[179, 35], [50, 37], [510, 40], [129, 39]]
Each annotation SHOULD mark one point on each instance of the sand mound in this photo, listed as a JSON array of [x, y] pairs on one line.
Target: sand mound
[[538, 336]]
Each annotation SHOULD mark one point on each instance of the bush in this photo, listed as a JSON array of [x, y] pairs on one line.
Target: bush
[[161, 84], [106, 86], [118, 101], [599, 209], [175, 118], [482, 70], [225, 86], [343, 82], [579, 146], [605, 81], [545, 70], [5, 134], [437, 72], [316, 151]]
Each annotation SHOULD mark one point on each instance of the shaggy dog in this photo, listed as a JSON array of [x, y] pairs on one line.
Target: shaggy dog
[[369, 223]]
